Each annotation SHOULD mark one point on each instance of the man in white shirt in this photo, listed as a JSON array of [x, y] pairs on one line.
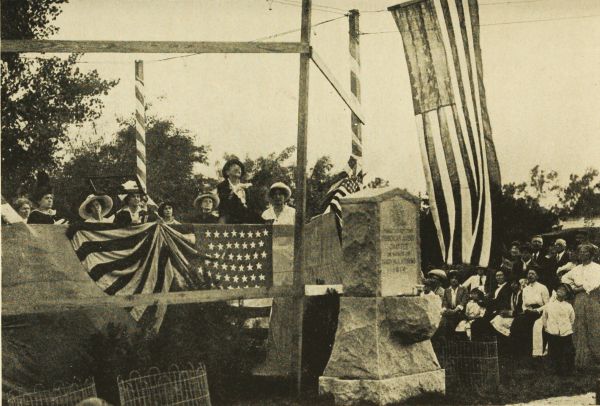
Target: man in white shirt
[[479, 281]]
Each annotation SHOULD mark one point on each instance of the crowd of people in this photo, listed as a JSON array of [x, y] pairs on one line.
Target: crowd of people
[[225, 205], [538, 302]]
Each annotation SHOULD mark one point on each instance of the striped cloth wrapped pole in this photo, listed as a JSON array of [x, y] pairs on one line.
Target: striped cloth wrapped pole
[[354, 48], [140, 125]]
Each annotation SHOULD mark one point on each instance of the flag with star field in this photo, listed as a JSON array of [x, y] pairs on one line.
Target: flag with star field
[[240, 256]]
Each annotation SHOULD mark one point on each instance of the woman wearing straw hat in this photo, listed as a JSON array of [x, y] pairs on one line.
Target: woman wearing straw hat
[[205, 204], [279, 212], [232, 195], [95, 207], [132, 212]]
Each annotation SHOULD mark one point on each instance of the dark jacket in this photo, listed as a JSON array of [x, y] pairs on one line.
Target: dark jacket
[[519, 271], [462, 296], [208, 218], [37, 217], [548, 275], [500, 302], [123, 218], [231, 208]]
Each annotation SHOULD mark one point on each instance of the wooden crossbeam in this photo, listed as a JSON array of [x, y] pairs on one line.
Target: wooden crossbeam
[[197, 296], [158, 47], [348, 98]]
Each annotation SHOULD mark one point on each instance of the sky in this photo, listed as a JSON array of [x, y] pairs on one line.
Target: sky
[[541, 61]]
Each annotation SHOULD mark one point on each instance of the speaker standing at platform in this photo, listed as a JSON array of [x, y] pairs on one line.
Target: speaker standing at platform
[[232, 195]]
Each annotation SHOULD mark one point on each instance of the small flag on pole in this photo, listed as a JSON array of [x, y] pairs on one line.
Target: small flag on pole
[[350, 182]]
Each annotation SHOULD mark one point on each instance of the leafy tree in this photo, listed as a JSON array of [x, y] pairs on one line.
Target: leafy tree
[[581, 197], [171, 155], [42, 97]]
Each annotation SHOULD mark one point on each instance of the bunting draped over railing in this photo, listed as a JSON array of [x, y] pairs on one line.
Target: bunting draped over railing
[[443, 55], [157, 258]]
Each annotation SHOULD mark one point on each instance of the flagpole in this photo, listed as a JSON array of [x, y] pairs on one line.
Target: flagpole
[[140, 125], [298, 280], [355, 123]]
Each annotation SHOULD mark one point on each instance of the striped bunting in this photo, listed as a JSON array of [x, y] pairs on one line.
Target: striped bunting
[[147, 258], [443, 55]]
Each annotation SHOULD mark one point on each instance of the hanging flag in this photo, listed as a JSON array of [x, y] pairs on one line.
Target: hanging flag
[[157, 258], [146, 258], [443, 55], [240, 256], [350, 181]]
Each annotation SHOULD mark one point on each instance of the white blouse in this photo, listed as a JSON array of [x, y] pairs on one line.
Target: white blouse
[[287, 215], [584, 276], [535, 294]]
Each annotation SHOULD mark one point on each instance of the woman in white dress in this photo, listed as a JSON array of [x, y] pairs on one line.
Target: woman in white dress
[[585, 281]]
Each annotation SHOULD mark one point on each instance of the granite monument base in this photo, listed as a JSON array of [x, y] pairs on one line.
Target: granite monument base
[[382, 353], [382, 391]]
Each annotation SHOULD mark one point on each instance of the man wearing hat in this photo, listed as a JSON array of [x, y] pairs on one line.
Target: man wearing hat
[[279, 212], [95, 208], [205, 204], [233, 208], [132, 212]]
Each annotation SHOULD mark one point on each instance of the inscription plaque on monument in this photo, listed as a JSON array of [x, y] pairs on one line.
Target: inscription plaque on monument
[[381, 243], [399, 247]]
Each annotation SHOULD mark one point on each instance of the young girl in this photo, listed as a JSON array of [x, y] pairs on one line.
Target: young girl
[[474, 310]]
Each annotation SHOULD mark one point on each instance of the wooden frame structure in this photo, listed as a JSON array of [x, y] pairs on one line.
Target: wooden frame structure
[[298, 290]]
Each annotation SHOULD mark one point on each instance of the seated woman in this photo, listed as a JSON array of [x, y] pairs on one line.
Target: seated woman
[[44, 198], [95, 208], [205, 204], [165, 211], [23, 206], [504, 319], [475, 309], [526, 329], [232, 194], [132, 212], [279, 212]]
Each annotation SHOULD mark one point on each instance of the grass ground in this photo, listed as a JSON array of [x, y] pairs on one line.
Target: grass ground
[[520, 382]]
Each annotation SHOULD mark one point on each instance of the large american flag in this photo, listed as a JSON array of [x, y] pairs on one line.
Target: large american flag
[[157, 258], [443, 54], [241, 256]]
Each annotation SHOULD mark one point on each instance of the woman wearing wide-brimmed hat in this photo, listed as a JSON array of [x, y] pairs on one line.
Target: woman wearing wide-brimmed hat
[[132, 212], [278, 211], [44, 198], [95, 208], [205, 204], [166, 211], [233, 208]]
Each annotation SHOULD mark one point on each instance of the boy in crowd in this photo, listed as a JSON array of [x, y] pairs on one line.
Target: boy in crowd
[[558, 318]]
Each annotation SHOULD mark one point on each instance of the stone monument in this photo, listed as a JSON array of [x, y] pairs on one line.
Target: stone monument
[[382, 353]]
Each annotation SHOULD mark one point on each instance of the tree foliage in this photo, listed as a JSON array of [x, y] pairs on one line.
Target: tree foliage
[[41, 97], [171, 156]]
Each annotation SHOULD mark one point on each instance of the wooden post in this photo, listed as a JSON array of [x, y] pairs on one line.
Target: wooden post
[[140, 125], [296, 361], [354, 48]]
